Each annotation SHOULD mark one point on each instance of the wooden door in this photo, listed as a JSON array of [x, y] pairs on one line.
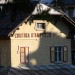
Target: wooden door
[[24, 55]]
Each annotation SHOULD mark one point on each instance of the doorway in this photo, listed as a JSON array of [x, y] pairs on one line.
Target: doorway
[[24, 55]]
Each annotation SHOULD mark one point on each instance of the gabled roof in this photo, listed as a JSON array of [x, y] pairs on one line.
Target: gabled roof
[[42, 8], [8, 27]]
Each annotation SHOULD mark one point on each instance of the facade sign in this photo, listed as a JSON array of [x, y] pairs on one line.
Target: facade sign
[[32, 35]]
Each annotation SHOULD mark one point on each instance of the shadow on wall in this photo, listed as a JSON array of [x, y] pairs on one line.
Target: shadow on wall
[[41, 56], [5, 48]]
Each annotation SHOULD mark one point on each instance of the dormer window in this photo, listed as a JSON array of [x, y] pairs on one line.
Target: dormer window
[[40, 26]]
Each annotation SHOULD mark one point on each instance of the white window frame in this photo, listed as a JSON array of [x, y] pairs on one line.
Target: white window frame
[[39, 26], [57, 51]]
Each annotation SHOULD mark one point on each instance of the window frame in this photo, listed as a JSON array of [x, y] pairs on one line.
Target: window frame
[[57, 51], [62, 54], [42, 26]]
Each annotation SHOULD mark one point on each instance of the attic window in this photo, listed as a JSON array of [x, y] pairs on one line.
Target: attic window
[[40, 26]]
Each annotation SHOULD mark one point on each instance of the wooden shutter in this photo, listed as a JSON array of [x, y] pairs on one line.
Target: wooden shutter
[[43, 25], [65, 54], [27, 55], [52, 54]]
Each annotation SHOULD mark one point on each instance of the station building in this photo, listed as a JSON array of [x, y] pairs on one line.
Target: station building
[[41, 38]]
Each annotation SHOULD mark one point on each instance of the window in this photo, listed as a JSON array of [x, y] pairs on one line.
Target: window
[[40, 26], [58, 54]]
